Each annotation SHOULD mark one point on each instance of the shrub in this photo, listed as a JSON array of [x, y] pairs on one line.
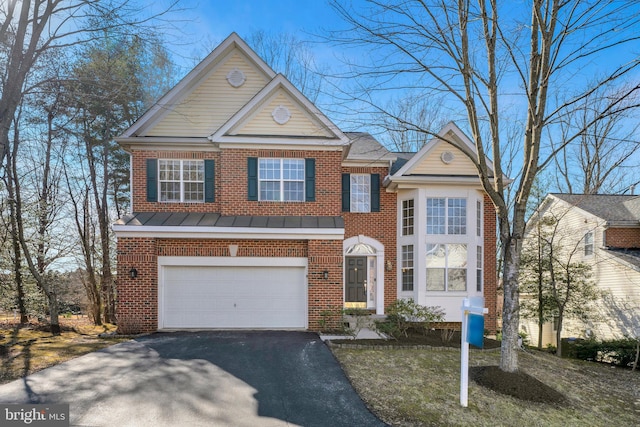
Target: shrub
[[619, 352], [404, 314]]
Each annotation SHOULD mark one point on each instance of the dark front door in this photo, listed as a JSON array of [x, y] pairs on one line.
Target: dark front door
[[356, 286]]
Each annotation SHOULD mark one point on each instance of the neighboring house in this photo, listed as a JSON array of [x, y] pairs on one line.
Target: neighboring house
[[251, 209], [605, 230]]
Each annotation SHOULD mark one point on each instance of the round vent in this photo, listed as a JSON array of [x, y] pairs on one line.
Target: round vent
[[236, 77], [447, 157], [281, 114]]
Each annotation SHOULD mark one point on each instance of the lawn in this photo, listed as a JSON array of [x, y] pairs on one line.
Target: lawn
[[420, 387], [29, 348]]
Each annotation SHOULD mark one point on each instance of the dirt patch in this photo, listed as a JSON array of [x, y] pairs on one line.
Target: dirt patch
[[517, 384], [28, 348]]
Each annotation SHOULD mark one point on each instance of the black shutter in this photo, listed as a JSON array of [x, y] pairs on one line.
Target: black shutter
[[346, 192], [152, 180], [375, 192], [209, 181], [310, 180], [252, 178]]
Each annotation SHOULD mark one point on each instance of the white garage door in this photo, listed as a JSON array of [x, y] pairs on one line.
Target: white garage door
[[233, 297]]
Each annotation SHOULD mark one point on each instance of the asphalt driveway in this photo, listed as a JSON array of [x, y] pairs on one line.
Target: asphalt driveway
[[212, 378]]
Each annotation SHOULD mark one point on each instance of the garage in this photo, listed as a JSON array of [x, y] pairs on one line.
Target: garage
[[265, 293]]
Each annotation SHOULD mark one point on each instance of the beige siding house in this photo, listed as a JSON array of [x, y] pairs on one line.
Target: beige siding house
[[604, 232]]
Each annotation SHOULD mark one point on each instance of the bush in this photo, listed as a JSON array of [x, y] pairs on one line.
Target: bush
[[619, 352], [404, 314]]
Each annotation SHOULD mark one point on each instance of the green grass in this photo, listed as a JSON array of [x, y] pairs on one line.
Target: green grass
[[422, 388]]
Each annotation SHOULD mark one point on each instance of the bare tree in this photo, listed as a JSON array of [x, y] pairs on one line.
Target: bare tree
[[290, 56], [602, 158], [29, 29], [487, 57]]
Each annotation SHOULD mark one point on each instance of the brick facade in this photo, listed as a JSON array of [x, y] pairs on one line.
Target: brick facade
[[381, 226], [622, 238]]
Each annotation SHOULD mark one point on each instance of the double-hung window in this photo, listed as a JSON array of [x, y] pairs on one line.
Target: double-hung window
[[446, 267], [588, 243], [181, 180], [407, 217], [446, 215], [360, 193], [407, 267], [281, 179]]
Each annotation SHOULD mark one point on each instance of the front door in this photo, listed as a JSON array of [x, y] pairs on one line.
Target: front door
[[356, 283]]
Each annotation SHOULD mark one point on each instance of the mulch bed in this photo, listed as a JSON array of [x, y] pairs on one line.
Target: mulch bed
[[517, 384]]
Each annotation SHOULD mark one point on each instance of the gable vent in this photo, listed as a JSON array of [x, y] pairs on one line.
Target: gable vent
[[447, 157], [236, 77], [281, 114]]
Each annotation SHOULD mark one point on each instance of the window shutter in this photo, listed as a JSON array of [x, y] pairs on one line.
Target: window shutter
[[252, 178], [310, 180], [346, 192], [152, 180], [375, 192], [209, 181]]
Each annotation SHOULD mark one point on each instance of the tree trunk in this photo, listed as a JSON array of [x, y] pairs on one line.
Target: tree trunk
[[635, 364], [559, 336], [52, 299], [17, 259], [510, 310]]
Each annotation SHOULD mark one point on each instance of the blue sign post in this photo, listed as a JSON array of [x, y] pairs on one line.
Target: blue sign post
[[472, 332]]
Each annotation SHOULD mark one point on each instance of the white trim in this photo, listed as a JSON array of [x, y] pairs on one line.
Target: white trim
[[223, 261], [255, 233], [239, 141], [379, 255], [259, 143]]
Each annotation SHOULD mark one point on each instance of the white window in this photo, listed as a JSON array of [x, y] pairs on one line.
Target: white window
[[446, 267], [407, 217], [360, 192], [181, 180], [407, 268], [479, 263], [281, 179], [478, 218], [446, 215], [588, 243]]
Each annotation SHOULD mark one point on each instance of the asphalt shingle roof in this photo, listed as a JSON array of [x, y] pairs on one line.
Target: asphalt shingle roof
[[615, 209]]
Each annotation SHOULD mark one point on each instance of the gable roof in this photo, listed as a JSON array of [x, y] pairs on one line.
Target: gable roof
[[325, 131], [451, 138], [193, 79], [365, 149], [616, 210], [233, 96]]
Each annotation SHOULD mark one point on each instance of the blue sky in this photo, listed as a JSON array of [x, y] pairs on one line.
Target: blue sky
[[207, 23]]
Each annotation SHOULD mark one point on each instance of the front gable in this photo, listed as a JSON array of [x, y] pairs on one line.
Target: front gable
[[445, 159], [279, 110], [209, 105], [208, 96]]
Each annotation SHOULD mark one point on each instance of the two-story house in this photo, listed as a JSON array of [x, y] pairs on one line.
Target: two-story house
[[602, 231], [251, 209]]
